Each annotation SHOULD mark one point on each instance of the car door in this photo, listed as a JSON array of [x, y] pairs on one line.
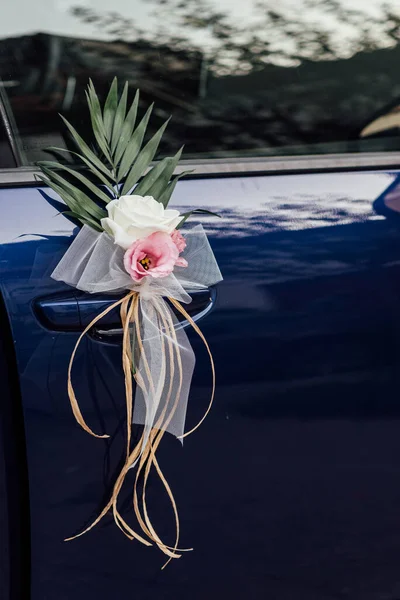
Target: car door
[[294, 479], [291, 487]]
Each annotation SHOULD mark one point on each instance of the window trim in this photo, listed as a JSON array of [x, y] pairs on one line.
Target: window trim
[[220, 167], [7, 122]]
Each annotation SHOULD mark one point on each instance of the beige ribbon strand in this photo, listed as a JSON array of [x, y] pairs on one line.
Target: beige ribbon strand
[[144, 457], [183, 312], [128, 304], [71, 393], [148, 456], [161, 425], [127, 309]]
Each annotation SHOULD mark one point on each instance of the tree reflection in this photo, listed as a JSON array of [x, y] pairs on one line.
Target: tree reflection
[[312, 30], [282, 79]]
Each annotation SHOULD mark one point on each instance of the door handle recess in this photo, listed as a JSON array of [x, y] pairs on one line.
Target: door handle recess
[[74, 311]]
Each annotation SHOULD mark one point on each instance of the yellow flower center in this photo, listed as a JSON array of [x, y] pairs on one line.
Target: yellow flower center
[[145, 262]]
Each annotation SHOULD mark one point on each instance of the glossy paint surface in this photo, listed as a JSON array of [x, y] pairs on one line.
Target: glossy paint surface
[[291, 488]]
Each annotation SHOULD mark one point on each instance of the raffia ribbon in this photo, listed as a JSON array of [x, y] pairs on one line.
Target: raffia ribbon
[[143, 455]]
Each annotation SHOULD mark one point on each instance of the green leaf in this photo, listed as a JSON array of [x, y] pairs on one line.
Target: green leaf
[[197, 210], [110, 107], [65, 195], [166, 195], [127, 129], [92, 168], [84, 220], [97, 124], [134, 145], [84, 148], [143, 159], [94, 102], [56, 150], [70, 201], [83, 201], [91, 186], [156, 180], [119, 119]]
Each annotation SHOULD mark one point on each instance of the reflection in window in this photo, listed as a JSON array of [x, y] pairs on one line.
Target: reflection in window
[[248, 78]]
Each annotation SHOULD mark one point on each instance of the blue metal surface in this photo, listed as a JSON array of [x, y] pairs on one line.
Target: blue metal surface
[[291, 488], [58, 312]]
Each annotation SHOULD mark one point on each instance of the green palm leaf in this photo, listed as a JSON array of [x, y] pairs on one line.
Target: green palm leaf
[[84, 148], [110, 107], [94, 105], [134, 145], [91, 167], [143, 159], [156, 180], [119, 119], [91, 186], [166, 195], [72, 200], [82, 203], [121, 159], [127, 129], [97, 124], [69, 200], [83, 220]]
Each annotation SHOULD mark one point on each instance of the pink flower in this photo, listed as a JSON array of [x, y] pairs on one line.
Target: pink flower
[[154, 256], [180, 243], [178, 240]]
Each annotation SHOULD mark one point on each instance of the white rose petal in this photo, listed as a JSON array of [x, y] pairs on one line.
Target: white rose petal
[[117, 232], [132, 218]]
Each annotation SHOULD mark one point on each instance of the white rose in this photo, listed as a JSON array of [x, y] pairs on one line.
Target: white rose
[[132, 218]]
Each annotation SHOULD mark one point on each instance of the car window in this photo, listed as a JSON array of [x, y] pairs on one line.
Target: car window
[[254, 78]]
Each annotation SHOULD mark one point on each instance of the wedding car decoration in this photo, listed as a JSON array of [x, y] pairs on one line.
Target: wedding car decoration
[[133, 244]]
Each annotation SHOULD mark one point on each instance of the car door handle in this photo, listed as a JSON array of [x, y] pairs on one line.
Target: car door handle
[[74, 311]]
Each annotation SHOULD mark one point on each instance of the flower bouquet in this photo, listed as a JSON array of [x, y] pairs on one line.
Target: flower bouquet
[[132, 244]]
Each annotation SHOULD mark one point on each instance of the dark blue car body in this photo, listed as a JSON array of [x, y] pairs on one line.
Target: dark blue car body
[[291, 488]]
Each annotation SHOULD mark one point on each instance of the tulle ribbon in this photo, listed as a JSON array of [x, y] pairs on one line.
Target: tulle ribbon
[[155, 351]]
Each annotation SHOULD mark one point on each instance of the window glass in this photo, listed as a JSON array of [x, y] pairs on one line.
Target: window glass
[[253, 78]]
